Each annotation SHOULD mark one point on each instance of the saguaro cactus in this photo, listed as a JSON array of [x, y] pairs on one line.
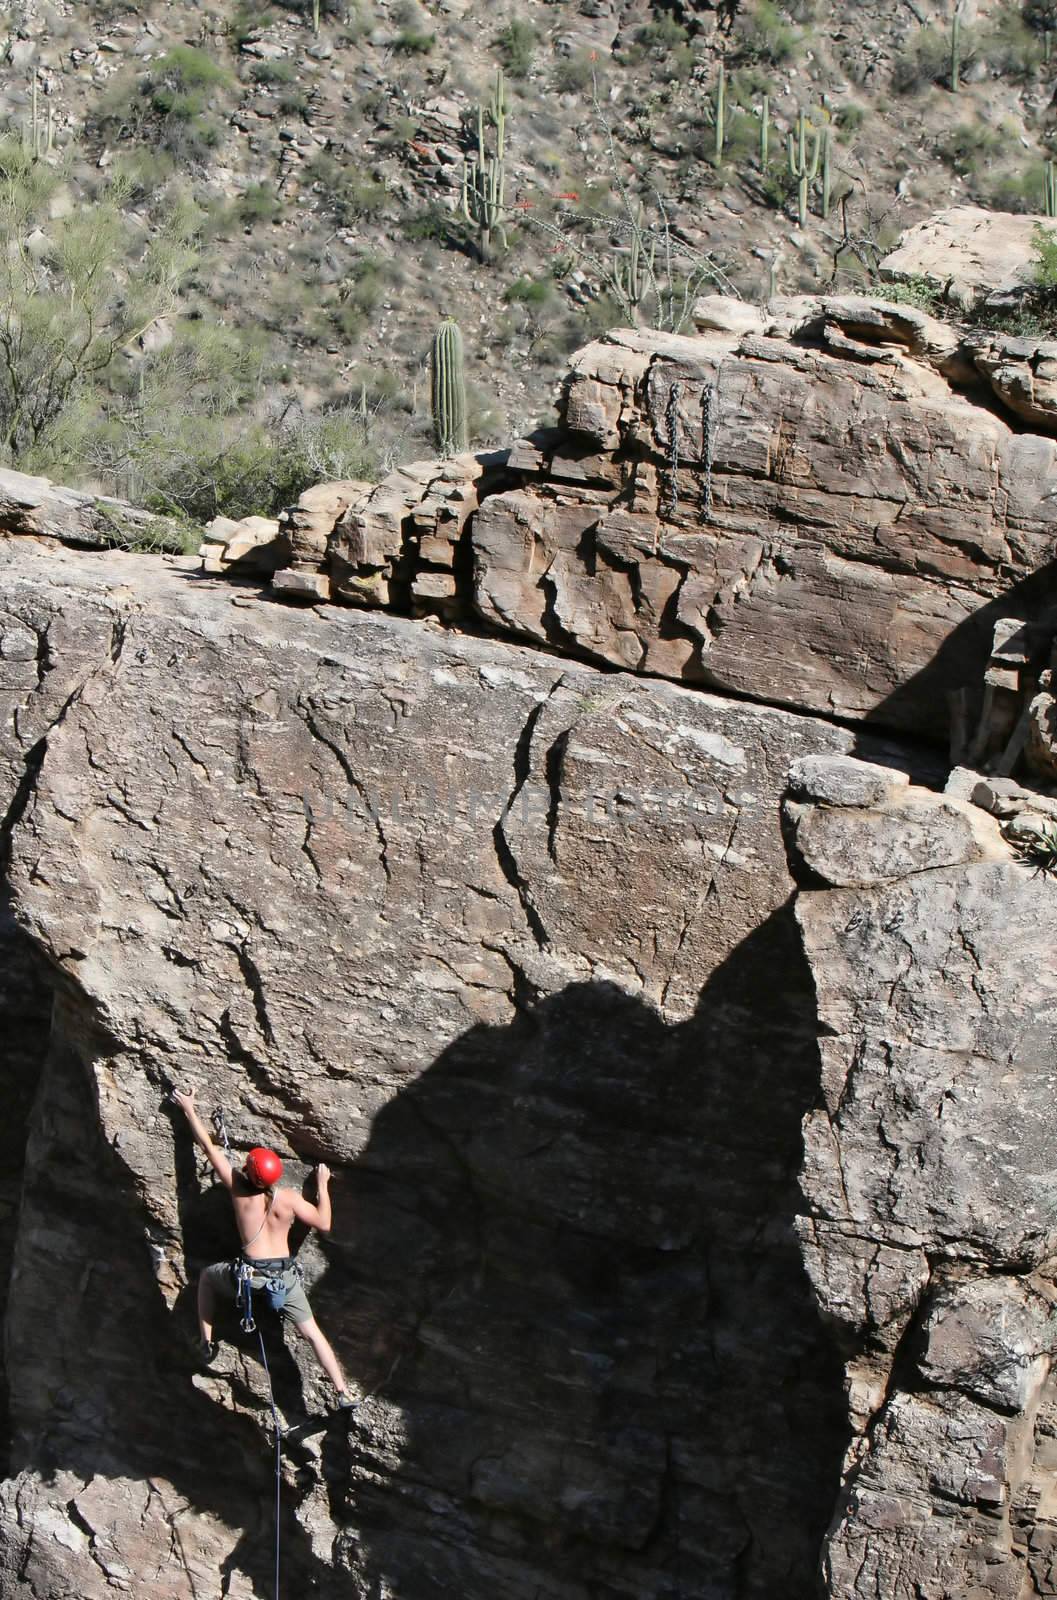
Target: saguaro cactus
[[448, 387], [955, 53], [38, 137], [721, 112], [633, 272], [1049, 197], [765, 132], [484, 176], [802, 167]]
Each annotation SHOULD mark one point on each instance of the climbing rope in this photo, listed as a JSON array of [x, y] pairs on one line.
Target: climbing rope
[[278, 1454]]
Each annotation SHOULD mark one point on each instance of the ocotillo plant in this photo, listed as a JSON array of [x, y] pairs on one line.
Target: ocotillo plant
[[802, 167], [484, 176], [448, 389]]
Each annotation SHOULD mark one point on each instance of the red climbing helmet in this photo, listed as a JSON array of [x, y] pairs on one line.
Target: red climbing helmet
[[263, 1167]]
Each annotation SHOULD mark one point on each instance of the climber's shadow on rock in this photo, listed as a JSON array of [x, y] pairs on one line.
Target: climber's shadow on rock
[[566, 1256]]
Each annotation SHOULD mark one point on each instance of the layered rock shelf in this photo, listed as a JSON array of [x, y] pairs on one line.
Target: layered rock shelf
[[626, 866]]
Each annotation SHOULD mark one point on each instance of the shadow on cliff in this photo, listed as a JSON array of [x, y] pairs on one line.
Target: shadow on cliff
[[565, 1262], [566, 1258], [926, 703]]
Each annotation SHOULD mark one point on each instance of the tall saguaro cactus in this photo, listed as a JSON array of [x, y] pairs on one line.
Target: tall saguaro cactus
[[956, 51], [484, 176], [765, 132], [448, 389], [802, 167], [721, 112]]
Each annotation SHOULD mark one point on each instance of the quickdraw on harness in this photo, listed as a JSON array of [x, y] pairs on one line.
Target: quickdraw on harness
[[275, 1286]]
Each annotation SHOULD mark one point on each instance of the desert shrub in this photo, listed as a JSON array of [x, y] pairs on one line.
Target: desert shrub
[[348, 196], [849, 118], [1015, 189], [432, 222], [913, 291], [1010, 47], [573, 74], [927, 59], [662, 35], [764, 35], [530, 291], [173, 107], [69, 307], [516, 44], [413, 42], [259, 204], [273, 72], [967, 144]]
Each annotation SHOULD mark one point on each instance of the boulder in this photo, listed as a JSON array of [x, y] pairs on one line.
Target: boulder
[[966, 252]]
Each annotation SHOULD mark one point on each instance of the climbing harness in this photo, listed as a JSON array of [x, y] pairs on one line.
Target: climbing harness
[[275, 1283]]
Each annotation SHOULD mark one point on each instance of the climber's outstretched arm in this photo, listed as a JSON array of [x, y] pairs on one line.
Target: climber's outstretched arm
[[185, 1099], [318, 1215]]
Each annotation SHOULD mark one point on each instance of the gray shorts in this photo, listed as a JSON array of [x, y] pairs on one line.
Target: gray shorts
[[296, 1309]]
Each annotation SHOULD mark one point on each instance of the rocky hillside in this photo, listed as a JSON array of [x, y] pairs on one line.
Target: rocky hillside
[[312, 168]]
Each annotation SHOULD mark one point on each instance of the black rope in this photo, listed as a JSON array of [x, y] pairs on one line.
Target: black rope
[[278, 1454]]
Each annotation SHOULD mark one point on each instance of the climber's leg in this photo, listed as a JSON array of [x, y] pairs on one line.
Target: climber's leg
[[207, 1308], [324, 1352]]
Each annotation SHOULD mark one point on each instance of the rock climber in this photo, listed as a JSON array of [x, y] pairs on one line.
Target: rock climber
[[264, 1214]]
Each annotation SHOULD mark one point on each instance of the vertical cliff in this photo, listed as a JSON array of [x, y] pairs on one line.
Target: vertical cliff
[[524, 946]]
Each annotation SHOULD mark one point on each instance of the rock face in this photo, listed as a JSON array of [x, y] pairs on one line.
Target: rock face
[[819, 505], [682, 1049], [930, 1175], [507, 941], [966, 252]]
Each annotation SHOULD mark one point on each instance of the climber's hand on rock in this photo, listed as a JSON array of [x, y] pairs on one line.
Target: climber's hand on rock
[[322, 1176], [185, 1099]]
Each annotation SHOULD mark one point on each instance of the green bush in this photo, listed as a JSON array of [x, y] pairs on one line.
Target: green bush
[[914, 291], [530, 291], [849, 119], [173, 107], [412, 42], [434, 222], [1016, 189], [927, 59], [349, 196], [967, 144], [576, 73], [1012, 48], [516, 44], [764, 35], [260, 203], [662, 34], [268, 72]]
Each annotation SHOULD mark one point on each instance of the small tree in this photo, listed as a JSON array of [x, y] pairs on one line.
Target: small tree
[[69, 299]]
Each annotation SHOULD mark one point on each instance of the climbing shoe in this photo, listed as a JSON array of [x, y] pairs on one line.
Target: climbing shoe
[[207, 1351], [346, 1403]]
